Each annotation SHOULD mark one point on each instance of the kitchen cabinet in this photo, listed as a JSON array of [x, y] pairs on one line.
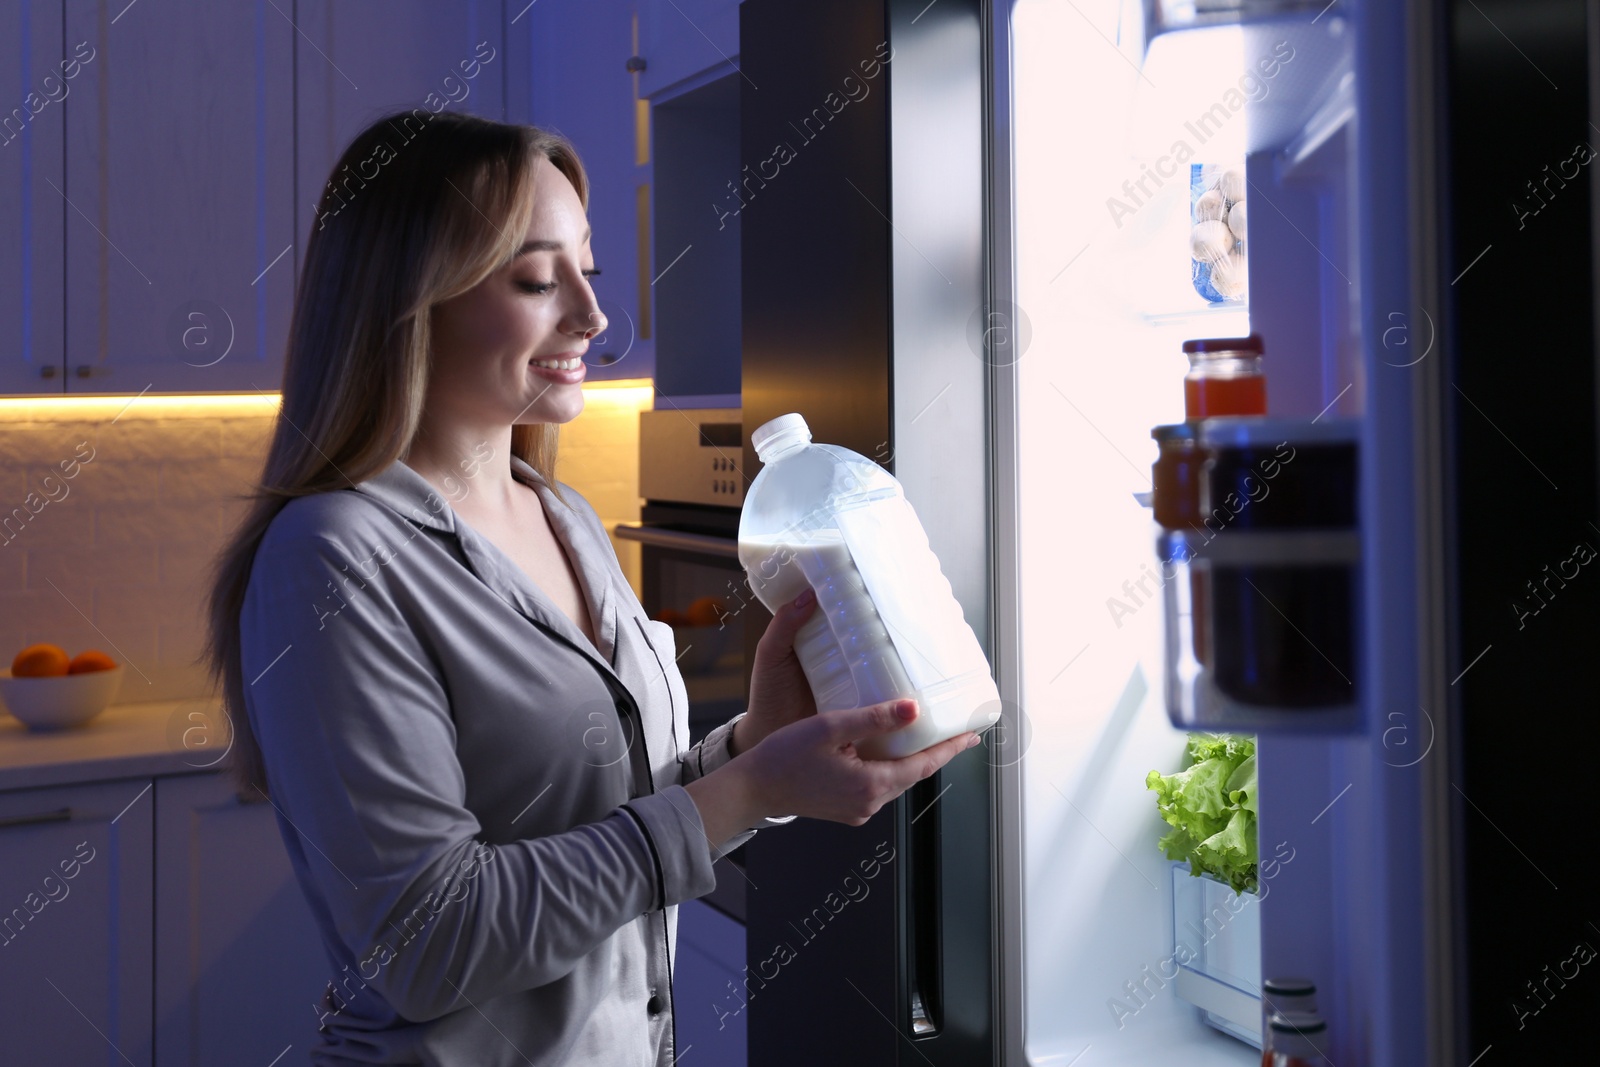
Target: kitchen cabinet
[[687, 42], [144, 905], [76, 930], [700, 194], [238, 961], [166, 190], [360, 59], [581, 87], [32, 215], [178, 199]]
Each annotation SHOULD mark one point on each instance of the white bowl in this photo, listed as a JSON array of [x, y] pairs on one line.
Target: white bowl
[[61, 701]]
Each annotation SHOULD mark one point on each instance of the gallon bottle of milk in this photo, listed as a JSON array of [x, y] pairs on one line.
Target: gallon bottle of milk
[[887, 624]]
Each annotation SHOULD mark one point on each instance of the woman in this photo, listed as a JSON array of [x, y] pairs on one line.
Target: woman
[[475, 742]]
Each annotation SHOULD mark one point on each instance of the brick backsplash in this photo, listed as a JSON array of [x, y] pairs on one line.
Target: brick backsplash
[[113, 552]]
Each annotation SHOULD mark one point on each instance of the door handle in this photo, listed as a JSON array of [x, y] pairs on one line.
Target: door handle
[[59, 815], [923, 908]]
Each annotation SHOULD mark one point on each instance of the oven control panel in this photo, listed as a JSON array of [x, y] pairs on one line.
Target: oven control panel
[[692, 456]]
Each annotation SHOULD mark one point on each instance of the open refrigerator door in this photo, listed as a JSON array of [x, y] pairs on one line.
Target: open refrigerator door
[[1183, 172]]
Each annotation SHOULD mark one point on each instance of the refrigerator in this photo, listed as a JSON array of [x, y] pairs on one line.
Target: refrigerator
[[965, 252]]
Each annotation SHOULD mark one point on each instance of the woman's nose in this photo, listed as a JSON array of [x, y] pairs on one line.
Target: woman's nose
[[596, 323]]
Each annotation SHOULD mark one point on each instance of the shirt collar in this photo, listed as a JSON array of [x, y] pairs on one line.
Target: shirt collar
[[403, 490]]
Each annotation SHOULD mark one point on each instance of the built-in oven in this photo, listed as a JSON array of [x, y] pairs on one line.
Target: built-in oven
[[688, 532]]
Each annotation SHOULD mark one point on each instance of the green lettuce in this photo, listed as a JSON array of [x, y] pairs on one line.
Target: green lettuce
[[1211, 807]]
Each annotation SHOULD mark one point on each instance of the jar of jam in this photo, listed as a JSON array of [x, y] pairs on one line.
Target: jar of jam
[[1224, 377], [1175, 476], [1175, 483]]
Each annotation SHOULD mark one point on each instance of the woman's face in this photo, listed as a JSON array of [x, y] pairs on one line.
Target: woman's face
[[489, 341]]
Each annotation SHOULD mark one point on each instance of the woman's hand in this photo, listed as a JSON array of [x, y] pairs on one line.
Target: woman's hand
[[811, 768], [779, 692]]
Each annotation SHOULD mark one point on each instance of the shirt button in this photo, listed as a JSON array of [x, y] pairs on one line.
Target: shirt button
[[654, 1006]]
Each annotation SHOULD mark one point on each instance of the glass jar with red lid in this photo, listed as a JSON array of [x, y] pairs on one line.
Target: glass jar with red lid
[[1224, 377]]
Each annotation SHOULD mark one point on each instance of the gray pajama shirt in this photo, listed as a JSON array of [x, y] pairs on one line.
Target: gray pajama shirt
[[486, 814]]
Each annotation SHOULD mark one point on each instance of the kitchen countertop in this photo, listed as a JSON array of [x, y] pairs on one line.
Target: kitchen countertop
[[124, 741]]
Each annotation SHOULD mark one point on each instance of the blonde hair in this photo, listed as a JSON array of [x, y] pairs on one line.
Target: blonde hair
[[448, 205]]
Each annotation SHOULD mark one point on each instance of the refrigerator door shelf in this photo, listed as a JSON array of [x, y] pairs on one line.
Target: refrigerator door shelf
[[1216, 945], [1312, 581]]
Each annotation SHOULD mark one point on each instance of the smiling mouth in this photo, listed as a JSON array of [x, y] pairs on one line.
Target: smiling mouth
[[558, 364]]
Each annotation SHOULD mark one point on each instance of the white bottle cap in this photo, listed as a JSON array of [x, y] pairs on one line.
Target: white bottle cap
[[778, 433]]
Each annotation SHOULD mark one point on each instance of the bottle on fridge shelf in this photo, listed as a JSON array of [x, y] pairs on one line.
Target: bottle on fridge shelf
[[1282, 996], [887, 624], [1295, 1038]]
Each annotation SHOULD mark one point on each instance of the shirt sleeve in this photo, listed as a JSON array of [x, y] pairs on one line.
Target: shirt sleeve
[[358, 741], [711, 752]]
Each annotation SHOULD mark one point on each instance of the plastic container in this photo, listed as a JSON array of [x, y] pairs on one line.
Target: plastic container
[[1217, 232], [887, 624]]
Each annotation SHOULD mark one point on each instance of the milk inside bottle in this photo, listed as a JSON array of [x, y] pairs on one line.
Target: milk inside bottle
[[887, 624]]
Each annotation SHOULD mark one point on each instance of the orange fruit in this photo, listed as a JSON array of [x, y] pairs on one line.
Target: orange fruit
[[707, 611], [91, 659], [40, 661]]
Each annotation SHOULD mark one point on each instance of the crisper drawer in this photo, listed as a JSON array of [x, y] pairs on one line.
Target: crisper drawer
[[1216, 941]]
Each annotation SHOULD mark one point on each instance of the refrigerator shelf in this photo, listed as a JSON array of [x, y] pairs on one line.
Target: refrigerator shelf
[[1227, 89], [1213, 320], [1168, 16]]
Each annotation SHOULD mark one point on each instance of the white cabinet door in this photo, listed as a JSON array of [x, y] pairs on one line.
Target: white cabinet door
[[180, 182], [358, 60], [582, 88], [32, 212], [238, 964], [75, 924], [685, 42]]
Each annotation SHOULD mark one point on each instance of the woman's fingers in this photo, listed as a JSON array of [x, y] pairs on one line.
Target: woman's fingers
[[857, 723], [809, 767], [779, 634]]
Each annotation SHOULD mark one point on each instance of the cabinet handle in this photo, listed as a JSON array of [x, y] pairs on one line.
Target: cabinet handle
[[704, 544], [89, 370], [59, 815], [47, 371]]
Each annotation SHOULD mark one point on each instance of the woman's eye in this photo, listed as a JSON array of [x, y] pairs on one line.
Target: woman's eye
[[546, 287]]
